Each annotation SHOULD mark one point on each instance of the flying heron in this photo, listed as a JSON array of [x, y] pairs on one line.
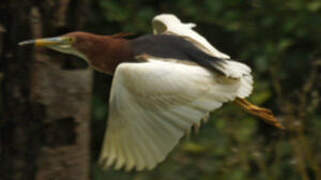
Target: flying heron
[[163, 85]]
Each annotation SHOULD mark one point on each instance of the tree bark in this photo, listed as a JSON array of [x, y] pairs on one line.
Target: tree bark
[[46, 99]]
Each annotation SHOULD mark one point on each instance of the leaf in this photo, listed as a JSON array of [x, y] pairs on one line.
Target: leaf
[[314, 6], [284, 44], [194, 148], [261, 97]]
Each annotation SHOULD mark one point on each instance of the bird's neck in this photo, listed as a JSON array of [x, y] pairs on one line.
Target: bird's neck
[[108, 53]]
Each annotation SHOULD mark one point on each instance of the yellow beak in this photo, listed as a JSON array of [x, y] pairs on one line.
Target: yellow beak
[[44, 42]]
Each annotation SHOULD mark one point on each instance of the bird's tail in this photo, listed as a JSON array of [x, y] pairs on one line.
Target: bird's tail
[[231, 68], [263, 113]]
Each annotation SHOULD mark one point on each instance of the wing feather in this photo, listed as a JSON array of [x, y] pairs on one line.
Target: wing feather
[[153, 104], [170, 24]]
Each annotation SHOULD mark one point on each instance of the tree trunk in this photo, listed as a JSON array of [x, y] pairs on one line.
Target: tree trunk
[[46, 99]]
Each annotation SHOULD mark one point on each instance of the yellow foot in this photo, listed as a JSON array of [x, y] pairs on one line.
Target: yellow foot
[[265, 114]]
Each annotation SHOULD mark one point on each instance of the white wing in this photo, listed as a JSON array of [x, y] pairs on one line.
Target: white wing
[[153, 104], [168, 23]]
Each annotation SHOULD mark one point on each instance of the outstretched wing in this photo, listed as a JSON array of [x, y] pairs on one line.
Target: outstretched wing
[[170, 24], [154, 103]]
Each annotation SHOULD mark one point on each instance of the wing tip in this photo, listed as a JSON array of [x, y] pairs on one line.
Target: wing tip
[[236, 69], [124, 166]]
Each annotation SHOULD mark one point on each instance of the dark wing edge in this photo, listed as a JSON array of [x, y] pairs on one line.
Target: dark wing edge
[[226, 67]]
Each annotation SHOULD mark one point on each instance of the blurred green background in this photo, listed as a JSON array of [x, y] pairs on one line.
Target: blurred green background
[[281, 41]]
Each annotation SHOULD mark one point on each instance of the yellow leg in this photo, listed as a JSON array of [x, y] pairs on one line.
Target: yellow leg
[[265, 114]]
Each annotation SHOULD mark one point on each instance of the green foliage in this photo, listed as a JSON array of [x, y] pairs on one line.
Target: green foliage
[[280, 40]]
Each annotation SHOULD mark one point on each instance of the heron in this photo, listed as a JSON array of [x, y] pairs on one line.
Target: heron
[[164, 84]]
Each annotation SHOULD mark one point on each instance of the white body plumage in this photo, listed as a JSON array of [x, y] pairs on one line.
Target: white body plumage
[[153, 104]]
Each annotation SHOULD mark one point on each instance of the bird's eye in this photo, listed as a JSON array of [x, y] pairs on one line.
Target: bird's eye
[[70, 40]]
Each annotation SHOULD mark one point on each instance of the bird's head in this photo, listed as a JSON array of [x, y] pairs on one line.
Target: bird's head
[[102, 52], [74, 43]]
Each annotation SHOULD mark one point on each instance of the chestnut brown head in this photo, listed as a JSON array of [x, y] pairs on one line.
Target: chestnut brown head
[[102, 52], [74, 43]]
